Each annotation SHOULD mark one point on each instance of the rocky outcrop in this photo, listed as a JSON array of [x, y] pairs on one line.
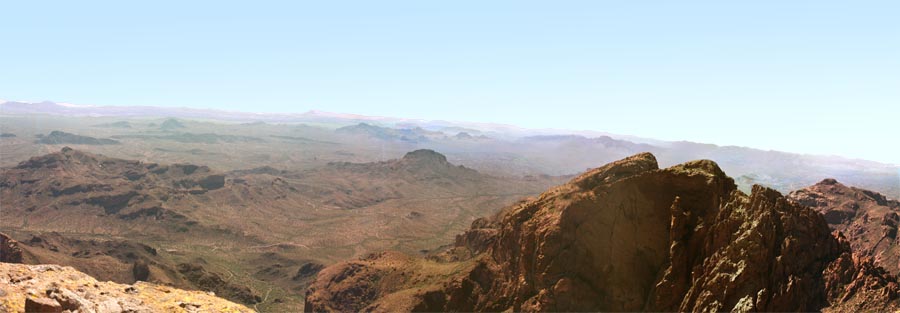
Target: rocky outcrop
[[756, 253], [868, 219], [210, 281], [53, 288], [307, 270], [855, 284], [140, 270], [625, 237], [9, 250]]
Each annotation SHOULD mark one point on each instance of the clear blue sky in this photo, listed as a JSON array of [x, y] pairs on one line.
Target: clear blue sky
[[801, 76]]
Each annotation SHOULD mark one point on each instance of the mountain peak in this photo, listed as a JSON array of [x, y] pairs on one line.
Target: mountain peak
[[630, 166], [425, 155], [65, 156], [171, 124], [684, 226]]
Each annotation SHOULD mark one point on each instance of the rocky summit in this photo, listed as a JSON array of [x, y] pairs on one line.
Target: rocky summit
[[627, 236], [867, 218]]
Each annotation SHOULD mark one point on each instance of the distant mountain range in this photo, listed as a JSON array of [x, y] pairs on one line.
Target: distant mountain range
[[313, 116], [491, 148]]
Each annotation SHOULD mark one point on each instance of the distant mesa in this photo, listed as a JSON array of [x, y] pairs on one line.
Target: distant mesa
[[416, 134], [255, 123], [467, 136], [209, 138], [425, 155], [604, 141], [366, 129], [303, 140], [119, 124], [170, 124], [7, 135], [59, 137]]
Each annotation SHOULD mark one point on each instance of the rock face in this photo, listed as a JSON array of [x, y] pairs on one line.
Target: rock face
[[868, 219], [53, 288], [625, 237]]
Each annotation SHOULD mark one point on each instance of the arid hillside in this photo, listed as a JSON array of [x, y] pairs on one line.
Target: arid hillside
[[626, 237]]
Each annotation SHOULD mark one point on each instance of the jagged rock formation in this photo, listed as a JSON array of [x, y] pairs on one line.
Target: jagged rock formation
[[625, 237], [54, 288], [869, 219], [58, 137]]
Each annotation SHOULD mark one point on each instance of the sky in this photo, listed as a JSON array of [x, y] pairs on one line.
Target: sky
[[820, 77]]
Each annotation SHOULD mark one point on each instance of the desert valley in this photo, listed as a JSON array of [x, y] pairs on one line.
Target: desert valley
[[449, 156], [337, 212]]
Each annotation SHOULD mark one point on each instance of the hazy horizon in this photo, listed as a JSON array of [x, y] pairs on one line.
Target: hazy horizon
[[804, 77], [376, 122]]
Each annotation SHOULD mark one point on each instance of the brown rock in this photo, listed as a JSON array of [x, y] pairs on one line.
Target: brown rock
[[868, 219], [42, 305], [9, 250], [140, 270], [68, 300], [53, 288]]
